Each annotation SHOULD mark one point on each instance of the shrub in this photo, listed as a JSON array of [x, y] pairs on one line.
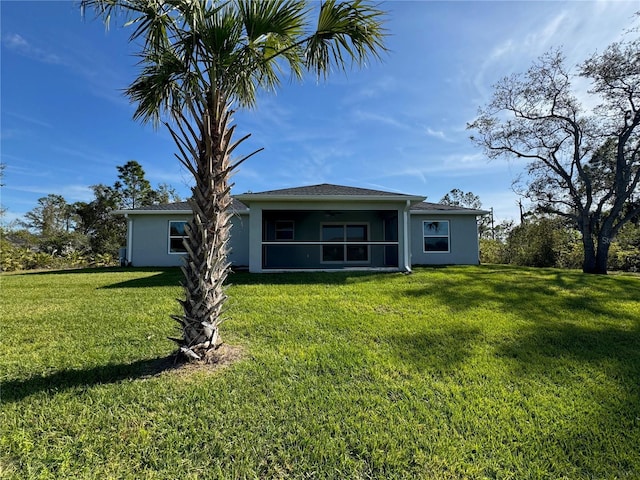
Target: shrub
[[624, 258], [533, 244], [492, 251], [105, 260]]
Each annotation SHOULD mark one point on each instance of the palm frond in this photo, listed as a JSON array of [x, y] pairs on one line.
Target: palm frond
[[345, 31], [160, 87], [272, 18]]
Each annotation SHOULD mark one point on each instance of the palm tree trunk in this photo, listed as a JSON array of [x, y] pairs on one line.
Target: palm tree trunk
[[207, 243]]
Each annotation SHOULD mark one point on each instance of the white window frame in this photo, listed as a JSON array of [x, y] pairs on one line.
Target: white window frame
[[169, 237], [447, 236], [345, 243]]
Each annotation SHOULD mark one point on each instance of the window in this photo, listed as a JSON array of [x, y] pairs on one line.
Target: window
[[284, 230], [176, 237], [436, 236], [343, 251]]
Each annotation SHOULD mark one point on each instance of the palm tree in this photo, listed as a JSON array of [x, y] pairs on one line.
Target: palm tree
[[199, 60]]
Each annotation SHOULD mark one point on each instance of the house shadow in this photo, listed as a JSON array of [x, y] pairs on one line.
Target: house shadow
[[16, 390], [172, 276], [304, 278], [165, 277]]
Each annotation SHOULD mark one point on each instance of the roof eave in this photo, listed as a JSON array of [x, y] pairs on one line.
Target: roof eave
[[152, 212], [167, 212], [449, 212]]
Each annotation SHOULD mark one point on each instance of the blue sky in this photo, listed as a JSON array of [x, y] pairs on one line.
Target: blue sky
[[398, 125]]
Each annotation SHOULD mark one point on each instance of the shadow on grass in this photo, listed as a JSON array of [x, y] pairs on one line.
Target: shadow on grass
[[164, 276], [435, 351], [168, 277], [533, 294], [607, 360], [305, 278], [16, 390], [566, 314], [171, 276], [68, 271], [548, 346]]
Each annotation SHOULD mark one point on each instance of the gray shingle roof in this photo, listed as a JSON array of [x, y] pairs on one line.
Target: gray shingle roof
[[322, 190], [428, 206], [165, 207], [327, 189]]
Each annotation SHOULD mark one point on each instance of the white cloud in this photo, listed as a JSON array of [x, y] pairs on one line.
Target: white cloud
[[364, 90], [578, 30], [548, 35], [17, 43], [71, 193], [364, 116], [101, 76], [436, 133], [29, 119], [90, 155]]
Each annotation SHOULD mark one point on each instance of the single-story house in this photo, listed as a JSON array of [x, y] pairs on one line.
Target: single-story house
[[318, 227]]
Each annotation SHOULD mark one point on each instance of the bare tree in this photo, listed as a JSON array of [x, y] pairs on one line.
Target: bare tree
[[584, 165]]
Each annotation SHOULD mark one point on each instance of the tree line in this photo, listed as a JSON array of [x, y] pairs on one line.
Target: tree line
[[543, 239], [56, 233]]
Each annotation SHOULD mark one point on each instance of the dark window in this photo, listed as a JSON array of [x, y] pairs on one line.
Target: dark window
[[176, 237], [343, 251], [436, 236], [284, 230]]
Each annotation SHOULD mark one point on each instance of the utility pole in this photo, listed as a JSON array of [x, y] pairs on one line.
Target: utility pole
[[493, 230], [521, 212]]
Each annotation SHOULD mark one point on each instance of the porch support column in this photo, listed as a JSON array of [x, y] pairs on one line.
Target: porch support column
[[405, 238], [129, 238], [255, 239]]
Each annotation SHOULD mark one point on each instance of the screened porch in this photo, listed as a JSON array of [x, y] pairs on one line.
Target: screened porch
[[329, 239]]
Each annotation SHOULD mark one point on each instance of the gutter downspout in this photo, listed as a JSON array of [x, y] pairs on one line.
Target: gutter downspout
[[478, 218], [407, 262]]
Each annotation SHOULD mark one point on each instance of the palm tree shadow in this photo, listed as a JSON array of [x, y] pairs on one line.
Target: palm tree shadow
[[16, 390]]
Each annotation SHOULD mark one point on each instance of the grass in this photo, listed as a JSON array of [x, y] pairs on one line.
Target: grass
[[449, 373]]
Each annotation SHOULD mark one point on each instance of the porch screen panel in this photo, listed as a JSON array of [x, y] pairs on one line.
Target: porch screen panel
[[329, 240]]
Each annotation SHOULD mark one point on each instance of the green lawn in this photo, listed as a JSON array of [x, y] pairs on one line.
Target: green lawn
[[449, 373]]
